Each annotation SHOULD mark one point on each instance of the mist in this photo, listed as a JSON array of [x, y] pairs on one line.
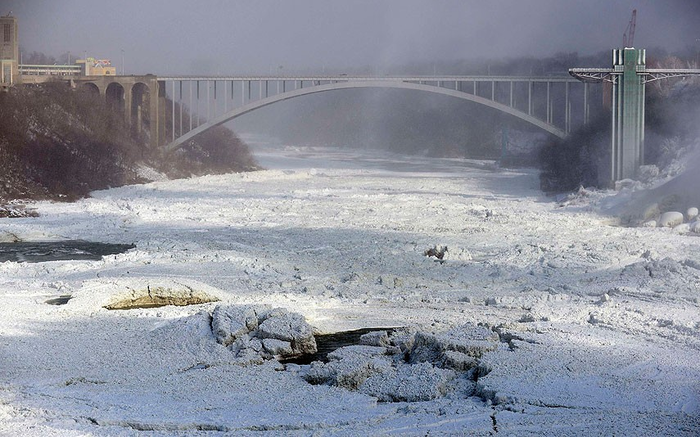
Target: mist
[[221, 37]]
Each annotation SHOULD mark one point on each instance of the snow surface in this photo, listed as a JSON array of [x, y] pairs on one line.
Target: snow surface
[[599, 325]]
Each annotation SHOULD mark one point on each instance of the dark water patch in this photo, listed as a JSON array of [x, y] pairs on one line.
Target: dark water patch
[[36, 252], [327, 343], [60, 300]]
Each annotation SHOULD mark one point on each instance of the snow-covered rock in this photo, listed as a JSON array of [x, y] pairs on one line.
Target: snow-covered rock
[[277, 347], [231, 322], [375, 338], [691, 214], [424, 373], [471, 340], [683, 228], [259, 330], [670, 219], [8, 237], [349, 367], [291, 327], [421, 382]]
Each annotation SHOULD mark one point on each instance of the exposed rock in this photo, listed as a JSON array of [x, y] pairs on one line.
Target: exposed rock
[[651, 211], [8, 237], [158, 296], [436, 252]]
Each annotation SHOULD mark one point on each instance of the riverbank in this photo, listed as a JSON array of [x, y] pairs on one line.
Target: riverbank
[[58, 143]]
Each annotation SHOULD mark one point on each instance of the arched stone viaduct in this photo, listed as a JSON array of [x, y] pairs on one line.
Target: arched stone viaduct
[[140, 98]]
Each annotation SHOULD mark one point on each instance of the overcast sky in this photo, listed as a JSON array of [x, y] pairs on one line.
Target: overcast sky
[[260, 36]]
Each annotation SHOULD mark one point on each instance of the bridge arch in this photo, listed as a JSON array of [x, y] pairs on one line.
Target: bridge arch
[[90, 87], [230, 115], [115, 94]]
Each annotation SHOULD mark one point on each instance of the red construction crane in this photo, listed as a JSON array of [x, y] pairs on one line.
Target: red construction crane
[[628, 36]]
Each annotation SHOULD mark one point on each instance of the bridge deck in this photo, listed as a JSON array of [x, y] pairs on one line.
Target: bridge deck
[[344, 78]]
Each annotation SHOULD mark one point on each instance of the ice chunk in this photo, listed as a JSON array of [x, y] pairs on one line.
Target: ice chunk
[[421, 382], [289, 327], [231, 322], [670, 219], [695, 227], [375, 338], [277, 347], [469, 339]]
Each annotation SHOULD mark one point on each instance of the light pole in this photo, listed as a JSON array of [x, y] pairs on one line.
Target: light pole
[[123, 62]]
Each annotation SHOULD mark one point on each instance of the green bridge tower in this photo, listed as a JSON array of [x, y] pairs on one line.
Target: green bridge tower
[[628, 95], [628, 77]]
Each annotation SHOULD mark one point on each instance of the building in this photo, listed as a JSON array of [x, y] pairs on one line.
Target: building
[[9, 51], [11, 72], [96, 67]]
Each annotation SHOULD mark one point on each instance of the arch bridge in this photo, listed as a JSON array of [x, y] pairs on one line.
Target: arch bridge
[[555, 104], [190, 105], [552, 103]]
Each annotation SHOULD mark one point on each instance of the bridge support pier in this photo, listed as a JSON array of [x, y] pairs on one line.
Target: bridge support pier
[[160, 119], [627, 151]]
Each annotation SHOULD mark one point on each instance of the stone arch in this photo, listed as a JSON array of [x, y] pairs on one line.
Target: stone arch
[[115, 96], [90, 87], [230, 115]]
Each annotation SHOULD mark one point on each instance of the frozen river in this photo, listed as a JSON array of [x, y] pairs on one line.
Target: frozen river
[[598, 325]]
